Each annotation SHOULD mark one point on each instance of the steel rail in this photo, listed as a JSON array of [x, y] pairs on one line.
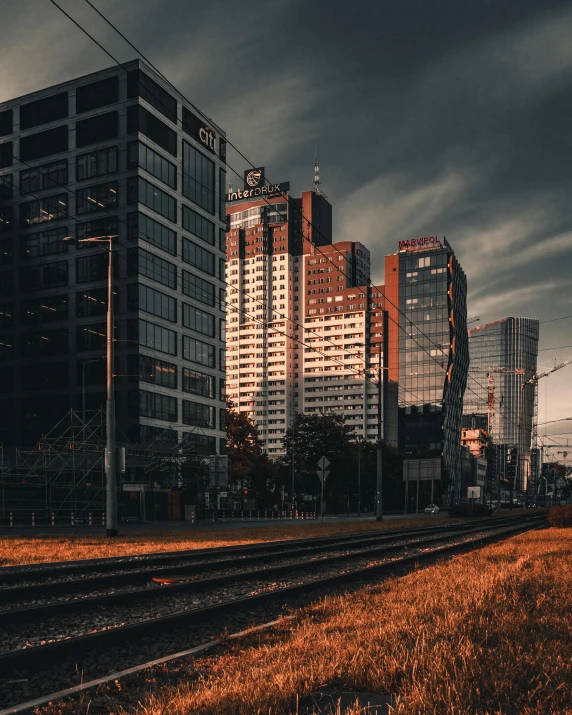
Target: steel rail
[[26, 614], [304, 547], [50, 652], [11, 574]]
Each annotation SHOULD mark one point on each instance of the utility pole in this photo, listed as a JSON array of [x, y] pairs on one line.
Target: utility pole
[[381, 385], [293, 464], [359, 478], [110, 445], [110, 441]]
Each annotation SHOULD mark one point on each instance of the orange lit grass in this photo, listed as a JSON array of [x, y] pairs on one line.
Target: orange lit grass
[[24, 549], [486, 632]]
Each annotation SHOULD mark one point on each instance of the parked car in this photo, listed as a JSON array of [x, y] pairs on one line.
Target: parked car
[[432, 509]]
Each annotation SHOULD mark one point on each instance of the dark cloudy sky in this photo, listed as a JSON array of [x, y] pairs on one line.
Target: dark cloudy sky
[[429, 117]]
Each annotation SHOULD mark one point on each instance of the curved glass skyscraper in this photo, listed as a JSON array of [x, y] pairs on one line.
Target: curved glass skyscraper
[[508, 349], [429, 355]]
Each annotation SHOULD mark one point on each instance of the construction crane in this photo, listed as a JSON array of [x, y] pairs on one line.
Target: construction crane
[[473, 320], [534, 381], [536, 378], [491, 390]]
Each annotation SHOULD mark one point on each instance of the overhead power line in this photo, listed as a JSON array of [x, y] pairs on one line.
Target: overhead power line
[[317, 248]]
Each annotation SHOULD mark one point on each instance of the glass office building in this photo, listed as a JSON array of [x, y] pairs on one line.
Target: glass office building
[[428, 289], [508, 348], [116, 152]]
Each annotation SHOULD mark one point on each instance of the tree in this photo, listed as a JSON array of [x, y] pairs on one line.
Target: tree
[[393, 492], [329, 435], [314, 436], [248, 464]]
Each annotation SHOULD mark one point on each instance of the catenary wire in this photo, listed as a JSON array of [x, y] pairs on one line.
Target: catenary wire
[[233, 308], [380, 293]]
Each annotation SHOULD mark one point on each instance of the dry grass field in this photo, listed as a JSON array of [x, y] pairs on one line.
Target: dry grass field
[[30, 548], [487, 632]]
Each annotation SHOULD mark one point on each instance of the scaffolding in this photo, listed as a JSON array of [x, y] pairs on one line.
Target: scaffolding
[[62, 480]]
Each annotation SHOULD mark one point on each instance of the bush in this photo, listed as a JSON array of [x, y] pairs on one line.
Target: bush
[[560, 515], [469, 510]]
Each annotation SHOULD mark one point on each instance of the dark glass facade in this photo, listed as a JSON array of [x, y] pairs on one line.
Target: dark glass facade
[[84, 172], [433, 357], [508, 348]]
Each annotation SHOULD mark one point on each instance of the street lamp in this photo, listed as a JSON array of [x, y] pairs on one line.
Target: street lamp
[[110, 444]]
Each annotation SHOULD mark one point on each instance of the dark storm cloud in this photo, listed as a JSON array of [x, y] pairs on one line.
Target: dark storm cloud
[[428, 117]]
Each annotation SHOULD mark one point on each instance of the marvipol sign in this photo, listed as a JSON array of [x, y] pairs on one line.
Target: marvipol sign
[[417, 242]]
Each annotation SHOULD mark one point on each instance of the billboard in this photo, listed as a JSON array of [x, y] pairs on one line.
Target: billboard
[[422, 470]]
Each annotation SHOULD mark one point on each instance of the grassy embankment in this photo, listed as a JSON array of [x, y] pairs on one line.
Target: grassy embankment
[[485, 632], [30, 548]]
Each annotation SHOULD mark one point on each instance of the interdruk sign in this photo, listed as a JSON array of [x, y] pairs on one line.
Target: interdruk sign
[[255, 186], [259, 191]]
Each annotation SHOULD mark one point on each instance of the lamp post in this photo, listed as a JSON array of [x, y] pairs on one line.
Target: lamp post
[[110, 443]]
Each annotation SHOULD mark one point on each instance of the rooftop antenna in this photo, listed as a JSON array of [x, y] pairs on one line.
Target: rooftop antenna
[[317, 189]]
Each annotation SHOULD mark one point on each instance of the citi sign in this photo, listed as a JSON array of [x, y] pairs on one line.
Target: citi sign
[[208, 138], [419, 242]]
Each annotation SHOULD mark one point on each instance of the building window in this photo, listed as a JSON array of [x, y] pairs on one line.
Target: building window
[[6, 347], [42, 111], [154, 336], [222, 197], [198, 320], [97, 129], [199, 289], [157, 372], [140, 120], [7, 315], [7, 283], [198, 225], [199, 415], [51, 276], [97, 197], [49, 208], [6, 187], [201, 443], [107, 226], [138, 154], [149, 195], [47, 176], [159, 407], [6, 219], [91, 337], [46, 342], [198, 383], [91, 302], [141, 226], [44, 243], [92, 268], [141, 85], [198, 178], [97, 94], [44, 310], [6, 122], [199, 352], [96, 163], [157, 303], [198, 256], [148, 264]]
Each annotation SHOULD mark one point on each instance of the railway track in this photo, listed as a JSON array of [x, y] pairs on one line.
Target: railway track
[[132, 619]]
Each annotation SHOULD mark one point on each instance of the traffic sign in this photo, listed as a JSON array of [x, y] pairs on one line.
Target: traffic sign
[[324, 463], [323, 474]]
